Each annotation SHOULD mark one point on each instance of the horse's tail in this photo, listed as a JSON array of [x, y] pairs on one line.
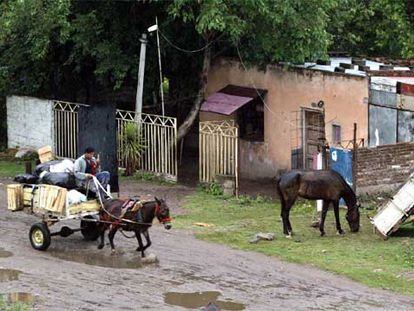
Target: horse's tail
[[279, 191]]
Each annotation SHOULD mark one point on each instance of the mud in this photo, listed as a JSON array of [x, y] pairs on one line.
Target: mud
[[104, 258], [19, 297], [186, 265], [200, 299], [7, 275], [4, 253]]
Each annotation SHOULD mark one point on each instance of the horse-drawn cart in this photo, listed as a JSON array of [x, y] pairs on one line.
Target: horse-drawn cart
[[50, 204], [53, 204]]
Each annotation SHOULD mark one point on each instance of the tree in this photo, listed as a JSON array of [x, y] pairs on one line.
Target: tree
[[73, 50], [373, 27], [28, 31], [271, 31]]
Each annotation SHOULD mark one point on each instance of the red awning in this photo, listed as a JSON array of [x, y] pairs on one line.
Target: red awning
[[228, 100], [224, 103]]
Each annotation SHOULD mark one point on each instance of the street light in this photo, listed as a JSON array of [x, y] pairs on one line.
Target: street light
[[153, 28]]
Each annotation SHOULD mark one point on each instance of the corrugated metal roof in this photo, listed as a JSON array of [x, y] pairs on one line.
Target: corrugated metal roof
[[354, 68], [224, 103], [229, 99]]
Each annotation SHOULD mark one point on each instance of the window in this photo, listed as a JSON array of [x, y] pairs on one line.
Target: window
[[336, 133], [250, 119]]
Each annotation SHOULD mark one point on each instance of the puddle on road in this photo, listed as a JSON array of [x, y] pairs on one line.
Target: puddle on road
[[200, 299], [7, 275], [4, 253], [19, 297], [101, 259]]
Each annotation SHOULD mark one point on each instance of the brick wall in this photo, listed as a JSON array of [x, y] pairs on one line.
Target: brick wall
[[384, 168], [29, 122]]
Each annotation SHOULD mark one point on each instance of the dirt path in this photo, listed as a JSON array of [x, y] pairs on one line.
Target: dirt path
[[74, 275]]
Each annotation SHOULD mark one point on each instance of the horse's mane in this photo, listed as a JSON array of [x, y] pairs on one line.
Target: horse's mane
[[349, 193]]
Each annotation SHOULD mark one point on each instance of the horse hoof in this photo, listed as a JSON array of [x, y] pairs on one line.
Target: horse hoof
[[288, 236], [100, 246], [340, 232], [322, 233], [113, 252], [138, 249]]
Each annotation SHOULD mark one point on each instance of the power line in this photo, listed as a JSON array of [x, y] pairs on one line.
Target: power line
[[257, 91], [185, 50]]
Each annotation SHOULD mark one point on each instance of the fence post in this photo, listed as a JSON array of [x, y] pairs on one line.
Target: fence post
[[354, 158]]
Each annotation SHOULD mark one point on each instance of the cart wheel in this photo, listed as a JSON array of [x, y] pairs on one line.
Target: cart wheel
[[39, 236], [90, 229]]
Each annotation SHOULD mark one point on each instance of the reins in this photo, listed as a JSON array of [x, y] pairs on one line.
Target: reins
[[98, 185], [119, 219]]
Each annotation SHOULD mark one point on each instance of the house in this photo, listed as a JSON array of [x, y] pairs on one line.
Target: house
[[285, 113]]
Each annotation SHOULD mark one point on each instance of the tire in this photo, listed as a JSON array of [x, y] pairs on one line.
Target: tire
[[39, 236], [90, 230]]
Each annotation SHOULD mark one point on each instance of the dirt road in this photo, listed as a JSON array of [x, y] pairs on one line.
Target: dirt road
[[74, 275]]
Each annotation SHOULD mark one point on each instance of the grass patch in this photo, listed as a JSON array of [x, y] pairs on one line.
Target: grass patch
[[363, 256], [10, 168], [147, 177], [5, 305]]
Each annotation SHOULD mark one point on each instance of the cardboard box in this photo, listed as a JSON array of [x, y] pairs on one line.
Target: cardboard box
[[45, 154], [15, 197]]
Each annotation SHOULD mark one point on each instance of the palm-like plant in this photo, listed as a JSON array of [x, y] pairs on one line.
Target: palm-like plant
[[132, 147]]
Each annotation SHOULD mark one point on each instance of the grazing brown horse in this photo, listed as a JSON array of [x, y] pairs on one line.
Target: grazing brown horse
[[326, 185], [132, 215]]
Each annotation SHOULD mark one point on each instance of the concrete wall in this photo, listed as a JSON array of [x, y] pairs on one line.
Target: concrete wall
[[384, 168], [29, 122], [254, 160], [345, 98]]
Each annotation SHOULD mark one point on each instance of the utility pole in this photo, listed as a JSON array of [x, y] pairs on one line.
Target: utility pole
[[159, 63], [141, 72]]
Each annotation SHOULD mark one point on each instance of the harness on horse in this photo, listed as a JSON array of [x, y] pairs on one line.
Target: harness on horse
[[133, 205]]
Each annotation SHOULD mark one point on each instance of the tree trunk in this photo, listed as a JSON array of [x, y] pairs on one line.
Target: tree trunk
[[192, 115]]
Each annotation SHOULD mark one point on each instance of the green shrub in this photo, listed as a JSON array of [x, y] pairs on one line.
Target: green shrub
[[132, 147]]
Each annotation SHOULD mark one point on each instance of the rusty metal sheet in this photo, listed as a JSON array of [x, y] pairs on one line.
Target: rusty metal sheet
[[406, 102], [405, 88], [224, 103]]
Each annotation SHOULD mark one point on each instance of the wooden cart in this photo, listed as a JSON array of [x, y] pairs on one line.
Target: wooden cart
[[50, 204]]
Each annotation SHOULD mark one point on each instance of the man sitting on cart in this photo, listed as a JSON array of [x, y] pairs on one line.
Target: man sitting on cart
[[87, 166]]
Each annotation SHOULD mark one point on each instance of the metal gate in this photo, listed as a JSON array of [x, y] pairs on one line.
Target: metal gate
[[159, 135], [218, 150], [66, 129], [160, 139]]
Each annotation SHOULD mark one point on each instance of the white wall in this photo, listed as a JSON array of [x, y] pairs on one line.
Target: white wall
[[29, 122]]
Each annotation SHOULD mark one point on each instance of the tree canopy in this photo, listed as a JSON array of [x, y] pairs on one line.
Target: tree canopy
[[86, 50]]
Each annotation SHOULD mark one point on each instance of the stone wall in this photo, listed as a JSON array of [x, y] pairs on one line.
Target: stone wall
[[384, 168], [29, 122]]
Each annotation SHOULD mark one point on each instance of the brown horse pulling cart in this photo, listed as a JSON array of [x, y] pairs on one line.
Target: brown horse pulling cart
[[50, 204]]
